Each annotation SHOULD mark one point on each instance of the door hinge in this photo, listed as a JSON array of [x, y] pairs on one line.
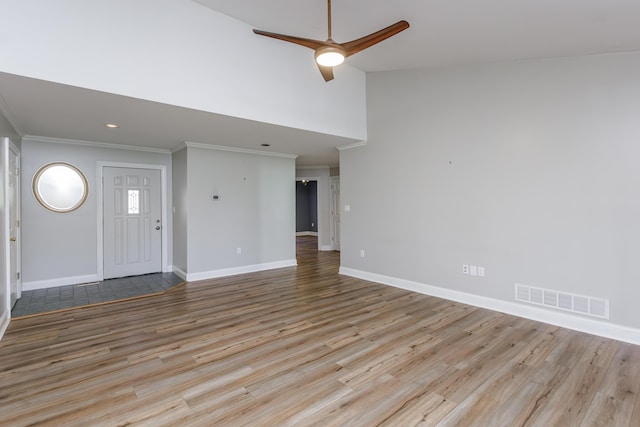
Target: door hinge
[[17, 223], [17, 171], [18, 275]]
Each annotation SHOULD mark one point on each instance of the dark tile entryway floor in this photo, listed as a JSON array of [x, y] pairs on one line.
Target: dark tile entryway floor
[[64, 297]]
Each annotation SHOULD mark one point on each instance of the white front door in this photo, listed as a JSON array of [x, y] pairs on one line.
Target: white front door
[[14, 223], [132, 221], [335, 213]]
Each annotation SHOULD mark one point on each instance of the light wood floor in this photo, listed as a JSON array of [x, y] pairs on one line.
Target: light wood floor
[[306, 346]]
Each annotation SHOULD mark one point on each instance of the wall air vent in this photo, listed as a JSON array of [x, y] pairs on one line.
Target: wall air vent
[[589, 306]]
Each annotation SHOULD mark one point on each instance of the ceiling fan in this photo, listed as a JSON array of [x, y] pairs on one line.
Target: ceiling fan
[[329, 53]]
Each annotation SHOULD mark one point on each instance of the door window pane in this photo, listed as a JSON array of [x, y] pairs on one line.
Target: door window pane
[[134, 202]]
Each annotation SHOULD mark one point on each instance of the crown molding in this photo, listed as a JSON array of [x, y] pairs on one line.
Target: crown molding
[[353, 145], [315, 167], [94, 144], [179, 147], [234, 150]]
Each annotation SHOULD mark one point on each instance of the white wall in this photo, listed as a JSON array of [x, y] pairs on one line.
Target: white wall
[[321, 174], [213, 63], [255, 212], [60, 249], [529, 169]]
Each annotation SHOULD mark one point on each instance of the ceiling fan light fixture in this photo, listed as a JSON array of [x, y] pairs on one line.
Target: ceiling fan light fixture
[[329, 56], [328, 53]]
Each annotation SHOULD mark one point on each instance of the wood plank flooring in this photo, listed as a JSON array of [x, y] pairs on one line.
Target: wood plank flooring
[[305, 346]]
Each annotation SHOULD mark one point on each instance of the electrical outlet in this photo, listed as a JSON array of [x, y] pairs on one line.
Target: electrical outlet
[[362, 253], [473, 270], [465, 269], [238, 251], [481, 271]]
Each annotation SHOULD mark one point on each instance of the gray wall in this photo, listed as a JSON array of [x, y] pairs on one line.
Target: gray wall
[[180, 214], [529, 169], [255, 210], [55, 245]]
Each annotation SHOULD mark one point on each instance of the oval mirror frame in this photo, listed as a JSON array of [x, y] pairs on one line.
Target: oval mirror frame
[[60, 187]]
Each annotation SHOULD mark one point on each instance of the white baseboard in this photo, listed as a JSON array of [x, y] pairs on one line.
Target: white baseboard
[[61, 281], [191, 277], [326, 248], [307, 233], [178, 272], [4, 323], [565, 320]]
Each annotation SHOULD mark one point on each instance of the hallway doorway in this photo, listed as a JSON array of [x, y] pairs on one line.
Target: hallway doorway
[[306, 207]]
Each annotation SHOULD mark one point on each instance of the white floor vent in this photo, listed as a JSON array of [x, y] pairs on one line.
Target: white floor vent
[[590, 306]]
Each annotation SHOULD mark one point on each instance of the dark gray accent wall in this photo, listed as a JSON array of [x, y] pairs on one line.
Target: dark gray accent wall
[[306, 206]]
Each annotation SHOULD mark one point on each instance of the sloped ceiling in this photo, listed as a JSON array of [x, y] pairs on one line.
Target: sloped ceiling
[[452, 32]]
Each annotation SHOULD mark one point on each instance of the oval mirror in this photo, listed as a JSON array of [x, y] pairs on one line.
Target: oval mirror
[[60, 187]]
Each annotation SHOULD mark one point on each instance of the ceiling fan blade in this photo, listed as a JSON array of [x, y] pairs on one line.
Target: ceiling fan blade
[[362, 43], [327, 72], [310, 43]]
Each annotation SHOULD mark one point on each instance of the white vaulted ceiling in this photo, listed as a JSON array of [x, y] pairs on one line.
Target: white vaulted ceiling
[[453, 32]]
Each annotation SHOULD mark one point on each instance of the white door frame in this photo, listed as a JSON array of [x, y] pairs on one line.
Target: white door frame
[[5, 310], [18, 261], [163, 206], [7, 147]]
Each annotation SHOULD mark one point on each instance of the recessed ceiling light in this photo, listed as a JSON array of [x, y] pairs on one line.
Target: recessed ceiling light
[[266, 145], [112, 125]]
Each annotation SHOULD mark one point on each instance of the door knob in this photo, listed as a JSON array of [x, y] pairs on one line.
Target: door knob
[[157, 227], [12, 239]]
